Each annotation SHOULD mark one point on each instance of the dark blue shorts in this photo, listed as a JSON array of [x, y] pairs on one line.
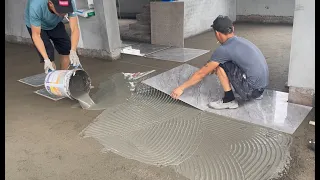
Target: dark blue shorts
[[239, 81], [59, 37]]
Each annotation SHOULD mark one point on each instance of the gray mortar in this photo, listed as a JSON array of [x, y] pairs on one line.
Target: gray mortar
[[152, 128], [79, 83], [114, 90]]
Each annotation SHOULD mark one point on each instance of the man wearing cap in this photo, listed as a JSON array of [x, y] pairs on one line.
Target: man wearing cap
[[236, 62], [43, 19]]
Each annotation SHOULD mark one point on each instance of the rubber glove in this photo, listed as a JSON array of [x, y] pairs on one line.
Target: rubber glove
[[74, 59], [48, 65]]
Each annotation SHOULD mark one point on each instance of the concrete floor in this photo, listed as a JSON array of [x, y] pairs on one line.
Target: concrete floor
[[42, 136]]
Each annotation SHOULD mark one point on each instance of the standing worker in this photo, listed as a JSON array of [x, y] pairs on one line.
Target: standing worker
[[43, 19], [236, 61]]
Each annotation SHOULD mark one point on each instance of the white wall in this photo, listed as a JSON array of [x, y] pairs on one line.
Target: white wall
[[302, 57], [265, 7], [199, 14], [14, 18]]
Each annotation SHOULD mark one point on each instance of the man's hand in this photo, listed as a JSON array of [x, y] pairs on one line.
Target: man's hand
[[176, 93], [74, 59], [48, 65], [195, 78]]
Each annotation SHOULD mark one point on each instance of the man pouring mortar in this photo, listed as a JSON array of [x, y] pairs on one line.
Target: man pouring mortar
[[43, 19]]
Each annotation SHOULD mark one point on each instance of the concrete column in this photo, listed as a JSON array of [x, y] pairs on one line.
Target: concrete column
[[100, 36], [15, 27], [301, 80]]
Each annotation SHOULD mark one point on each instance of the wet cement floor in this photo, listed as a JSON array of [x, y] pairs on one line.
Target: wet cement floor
[[42, 137], [153, 128]]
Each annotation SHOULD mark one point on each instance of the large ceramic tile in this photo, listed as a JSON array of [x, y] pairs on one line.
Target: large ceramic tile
[[273, 111], [43, 92], [178, 54], [142, 49], [198, 96], [35, 80]]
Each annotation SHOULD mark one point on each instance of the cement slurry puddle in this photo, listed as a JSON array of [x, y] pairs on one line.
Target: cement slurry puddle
[[115, 90], [149, 126]]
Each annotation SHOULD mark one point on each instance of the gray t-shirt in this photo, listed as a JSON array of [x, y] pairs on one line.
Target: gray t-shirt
[[247, 56]]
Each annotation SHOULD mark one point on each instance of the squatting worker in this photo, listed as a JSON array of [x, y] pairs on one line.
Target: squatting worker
[[43, 19], [236, 62]]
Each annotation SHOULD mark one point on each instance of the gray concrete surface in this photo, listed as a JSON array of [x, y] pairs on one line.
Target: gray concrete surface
[[14, 18], [15, 28], [42, 137]]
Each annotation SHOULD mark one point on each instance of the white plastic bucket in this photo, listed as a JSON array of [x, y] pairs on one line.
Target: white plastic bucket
[[58, 82]]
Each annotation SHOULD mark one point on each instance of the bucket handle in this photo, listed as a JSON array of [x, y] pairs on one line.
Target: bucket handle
[[74, 67]]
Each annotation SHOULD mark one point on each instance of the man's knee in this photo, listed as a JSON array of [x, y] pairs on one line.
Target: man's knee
[[64, 46]]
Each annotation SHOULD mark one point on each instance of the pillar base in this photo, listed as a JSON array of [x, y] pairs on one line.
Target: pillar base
[[303, 96], [265, 19], [101, 54], [18, 39]]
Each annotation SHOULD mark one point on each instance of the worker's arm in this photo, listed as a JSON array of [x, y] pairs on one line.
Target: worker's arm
[[200, 74], [73, 22], [195, 78], [36, 37]]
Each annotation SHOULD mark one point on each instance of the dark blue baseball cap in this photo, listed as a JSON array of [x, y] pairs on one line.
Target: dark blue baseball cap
[[222, 24], [63, 6]]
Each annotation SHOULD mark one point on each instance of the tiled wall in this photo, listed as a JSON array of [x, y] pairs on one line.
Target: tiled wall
[[199, 14], [167, 23]]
